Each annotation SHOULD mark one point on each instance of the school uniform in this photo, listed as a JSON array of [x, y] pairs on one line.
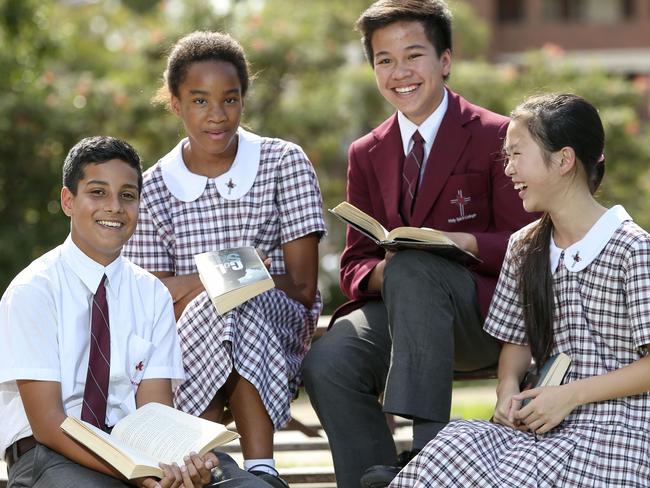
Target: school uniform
[[602, 321], [406, 341], [268, 197], [45, 330]]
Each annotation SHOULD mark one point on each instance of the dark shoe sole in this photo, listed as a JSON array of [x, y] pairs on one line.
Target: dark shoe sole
[[379, 476]]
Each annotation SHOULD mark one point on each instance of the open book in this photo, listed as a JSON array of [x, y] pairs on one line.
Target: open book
[[402, 237], [232, 276], [153, 433], [550, 374]]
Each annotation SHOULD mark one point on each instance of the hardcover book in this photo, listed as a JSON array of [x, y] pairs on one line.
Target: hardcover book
[[153, 433], [402, 237], [232, 276], [550, 374]]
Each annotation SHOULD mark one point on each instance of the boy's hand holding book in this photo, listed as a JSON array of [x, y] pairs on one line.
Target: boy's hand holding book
[[155, 441], [196, 472]]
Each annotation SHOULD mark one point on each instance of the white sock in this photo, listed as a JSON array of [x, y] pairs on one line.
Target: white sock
[[266, 465]]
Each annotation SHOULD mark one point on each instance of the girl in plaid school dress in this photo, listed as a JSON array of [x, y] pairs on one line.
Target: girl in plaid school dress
[[224, 187], [576, 281]]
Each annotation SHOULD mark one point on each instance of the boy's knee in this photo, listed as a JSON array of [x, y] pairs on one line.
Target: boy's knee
[[409, 265], [316, 363]]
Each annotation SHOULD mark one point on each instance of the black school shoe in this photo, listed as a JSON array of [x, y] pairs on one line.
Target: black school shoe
[[271, 479], [380, 476]]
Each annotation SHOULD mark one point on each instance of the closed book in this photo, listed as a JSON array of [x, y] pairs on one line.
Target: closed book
[[232, 276], [550, 374]]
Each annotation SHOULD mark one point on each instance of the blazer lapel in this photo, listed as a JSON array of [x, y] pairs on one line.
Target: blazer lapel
[[450, 141], [386, 158]]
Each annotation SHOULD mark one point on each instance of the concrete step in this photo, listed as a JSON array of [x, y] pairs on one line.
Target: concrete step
[[309, 444], [309, 476]]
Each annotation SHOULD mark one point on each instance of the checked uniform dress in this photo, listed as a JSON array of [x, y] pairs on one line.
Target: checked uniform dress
[[270, 196], [602, 321]]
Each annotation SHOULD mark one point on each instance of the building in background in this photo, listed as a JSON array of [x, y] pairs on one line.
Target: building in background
[[614, 34]]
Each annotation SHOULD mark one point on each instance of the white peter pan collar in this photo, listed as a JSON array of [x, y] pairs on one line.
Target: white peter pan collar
[[580, 254], [232, 185]]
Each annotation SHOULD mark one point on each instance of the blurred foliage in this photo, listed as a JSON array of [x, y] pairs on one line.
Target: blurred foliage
[[76, 68]]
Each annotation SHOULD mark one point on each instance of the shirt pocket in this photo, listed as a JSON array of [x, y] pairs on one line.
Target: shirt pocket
[[466, 198], [139, 352]]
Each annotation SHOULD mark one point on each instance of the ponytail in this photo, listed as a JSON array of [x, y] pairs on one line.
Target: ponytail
[[536, 288]]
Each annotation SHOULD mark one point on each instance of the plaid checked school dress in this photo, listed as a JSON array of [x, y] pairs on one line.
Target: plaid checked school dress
[[602, 320], [270, 196]]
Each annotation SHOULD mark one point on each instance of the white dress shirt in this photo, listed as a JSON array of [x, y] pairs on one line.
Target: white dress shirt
[[45, 334], [428, 130]]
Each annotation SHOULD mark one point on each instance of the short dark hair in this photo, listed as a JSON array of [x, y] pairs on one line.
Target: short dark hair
[[434, 15], [98, 150], [202, 46]]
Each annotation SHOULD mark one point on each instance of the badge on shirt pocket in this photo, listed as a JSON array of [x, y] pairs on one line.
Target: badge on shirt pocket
[[466, 198], [140, 351]]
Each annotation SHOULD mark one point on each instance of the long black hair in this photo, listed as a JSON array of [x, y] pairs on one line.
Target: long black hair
[[554, 121]]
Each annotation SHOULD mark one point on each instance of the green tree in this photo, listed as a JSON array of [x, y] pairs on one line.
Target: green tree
[[76, 69]]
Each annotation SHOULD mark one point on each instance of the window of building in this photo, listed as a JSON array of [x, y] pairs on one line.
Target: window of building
[[596, 11], [510, 10], [628, 9]]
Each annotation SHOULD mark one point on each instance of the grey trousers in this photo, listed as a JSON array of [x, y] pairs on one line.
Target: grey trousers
[[406, 347], [44, 468]]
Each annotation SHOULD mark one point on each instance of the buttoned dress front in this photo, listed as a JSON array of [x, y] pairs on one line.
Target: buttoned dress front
[[270, 196], [602, 321]]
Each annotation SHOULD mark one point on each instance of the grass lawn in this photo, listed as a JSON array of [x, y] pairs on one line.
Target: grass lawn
[[473, 399]]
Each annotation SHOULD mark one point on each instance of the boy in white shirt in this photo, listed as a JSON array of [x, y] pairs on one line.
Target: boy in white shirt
[[48, 319]]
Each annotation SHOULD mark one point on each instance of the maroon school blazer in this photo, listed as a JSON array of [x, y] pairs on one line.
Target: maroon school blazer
[[463, 189]]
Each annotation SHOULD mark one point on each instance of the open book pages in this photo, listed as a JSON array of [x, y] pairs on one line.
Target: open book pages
[[153, 433], [402, 237], [360, 221], [128, 461], [232, 276]]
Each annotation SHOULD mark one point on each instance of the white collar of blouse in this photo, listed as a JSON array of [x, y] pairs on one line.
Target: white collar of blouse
[[580, 254], [89, 271], [232, 185]]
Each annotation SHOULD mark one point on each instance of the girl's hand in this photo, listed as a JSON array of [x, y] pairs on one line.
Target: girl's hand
[[265, 259], [549, 406], [505, 408]]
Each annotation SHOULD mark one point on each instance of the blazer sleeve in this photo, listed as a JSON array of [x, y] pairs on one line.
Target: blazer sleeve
[[360, 255], [508, 215]]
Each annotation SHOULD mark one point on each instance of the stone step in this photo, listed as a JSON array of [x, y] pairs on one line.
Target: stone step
[[312, 476], [309, 444]]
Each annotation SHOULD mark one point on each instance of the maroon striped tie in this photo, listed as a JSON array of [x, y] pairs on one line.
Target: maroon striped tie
[[99, 363], [411, 176]]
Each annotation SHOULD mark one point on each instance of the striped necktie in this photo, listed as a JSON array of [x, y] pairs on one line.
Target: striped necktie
[[99, 363], [411, 176]]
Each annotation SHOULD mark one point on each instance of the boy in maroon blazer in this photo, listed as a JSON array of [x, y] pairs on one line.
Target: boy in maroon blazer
[[414, 317]]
